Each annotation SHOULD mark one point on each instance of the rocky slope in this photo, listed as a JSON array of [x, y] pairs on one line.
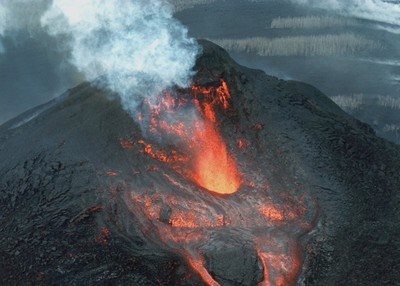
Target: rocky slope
[[67, 167]]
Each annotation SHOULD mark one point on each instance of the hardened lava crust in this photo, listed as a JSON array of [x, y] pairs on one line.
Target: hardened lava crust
[[87, 198]]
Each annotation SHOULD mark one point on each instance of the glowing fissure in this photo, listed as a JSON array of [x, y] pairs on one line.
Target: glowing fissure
[[138, 51], [214, 170], [264, 261], [211, 166], [183, 223], [197, 263], [177, 215]]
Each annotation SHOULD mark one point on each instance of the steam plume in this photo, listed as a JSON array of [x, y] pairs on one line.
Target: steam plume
[[136, 46]]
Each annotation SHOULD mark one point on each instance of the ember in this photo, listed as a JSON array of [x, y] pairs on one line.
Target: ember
[[161, 155], [242, 143], [104, 236], [191, 220], [272, 213], [126, 144], [111, 173]]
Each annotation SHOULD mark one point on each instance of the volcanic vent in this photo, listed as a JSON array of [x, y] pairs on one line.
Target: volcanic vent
[[216, 184], [189, 218], [212, 187], [195, 177], [189, 119]]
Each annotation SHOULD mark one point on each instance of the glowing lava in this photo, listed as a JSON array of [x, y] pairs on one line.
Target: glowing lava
[[198, 265], [214, 170], [211, 166], [172, 213]]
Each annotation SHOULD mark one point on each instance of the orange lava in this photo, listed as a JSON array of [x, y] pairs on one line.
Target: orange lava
[[183, 223], [272, 213], [242, 143], [181, 220], [211, 166], [111, 174], [258, 126], [188, 219], [214, 170], [279, 269], [160, 155], [126, 144], [198, 265], [264, 261]]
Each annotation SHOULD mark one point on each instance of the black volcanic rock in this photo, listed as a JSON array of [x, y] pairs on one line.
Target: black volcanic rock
[[235, 264], [62, 173]]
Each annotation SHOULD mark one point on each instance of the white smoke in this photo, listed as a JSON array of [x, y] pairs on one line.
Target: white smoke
[[136, 46]]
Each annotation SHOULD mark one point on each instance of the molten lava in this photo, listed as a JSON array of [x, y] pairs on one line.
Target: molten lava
[[171, 212], [214, 169], [211, 166], [198, 265]]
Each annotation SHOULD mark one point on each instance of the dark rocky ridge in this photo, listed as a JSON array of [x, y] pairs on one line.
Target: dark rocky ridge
[[63, 221]]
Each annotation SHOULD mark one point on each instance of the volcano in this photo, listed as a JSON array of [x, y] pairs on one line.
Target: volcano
[[278, 186]]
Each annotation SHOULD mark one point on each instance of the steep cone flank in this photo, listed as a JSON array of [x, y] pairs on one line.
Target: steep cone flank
[[89, 196]]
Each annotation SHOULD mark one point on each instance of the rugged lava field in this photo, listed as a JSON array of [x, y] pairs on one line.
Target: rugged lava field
[[85, 201]]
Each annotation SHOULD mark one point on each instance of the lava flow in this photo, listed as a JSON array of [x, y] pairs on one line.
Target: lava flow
[[214, 169], [172, 212], [211, 166]]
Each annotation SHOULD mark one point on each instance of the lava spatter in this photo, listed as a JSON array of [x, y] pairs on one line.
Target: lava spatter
[[183, 217], [211, 166]]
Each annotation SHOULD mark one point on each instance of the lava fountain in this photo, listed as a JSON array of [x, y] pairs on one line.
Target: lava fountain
[[210, 165], [215, 169], [175, 213]]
